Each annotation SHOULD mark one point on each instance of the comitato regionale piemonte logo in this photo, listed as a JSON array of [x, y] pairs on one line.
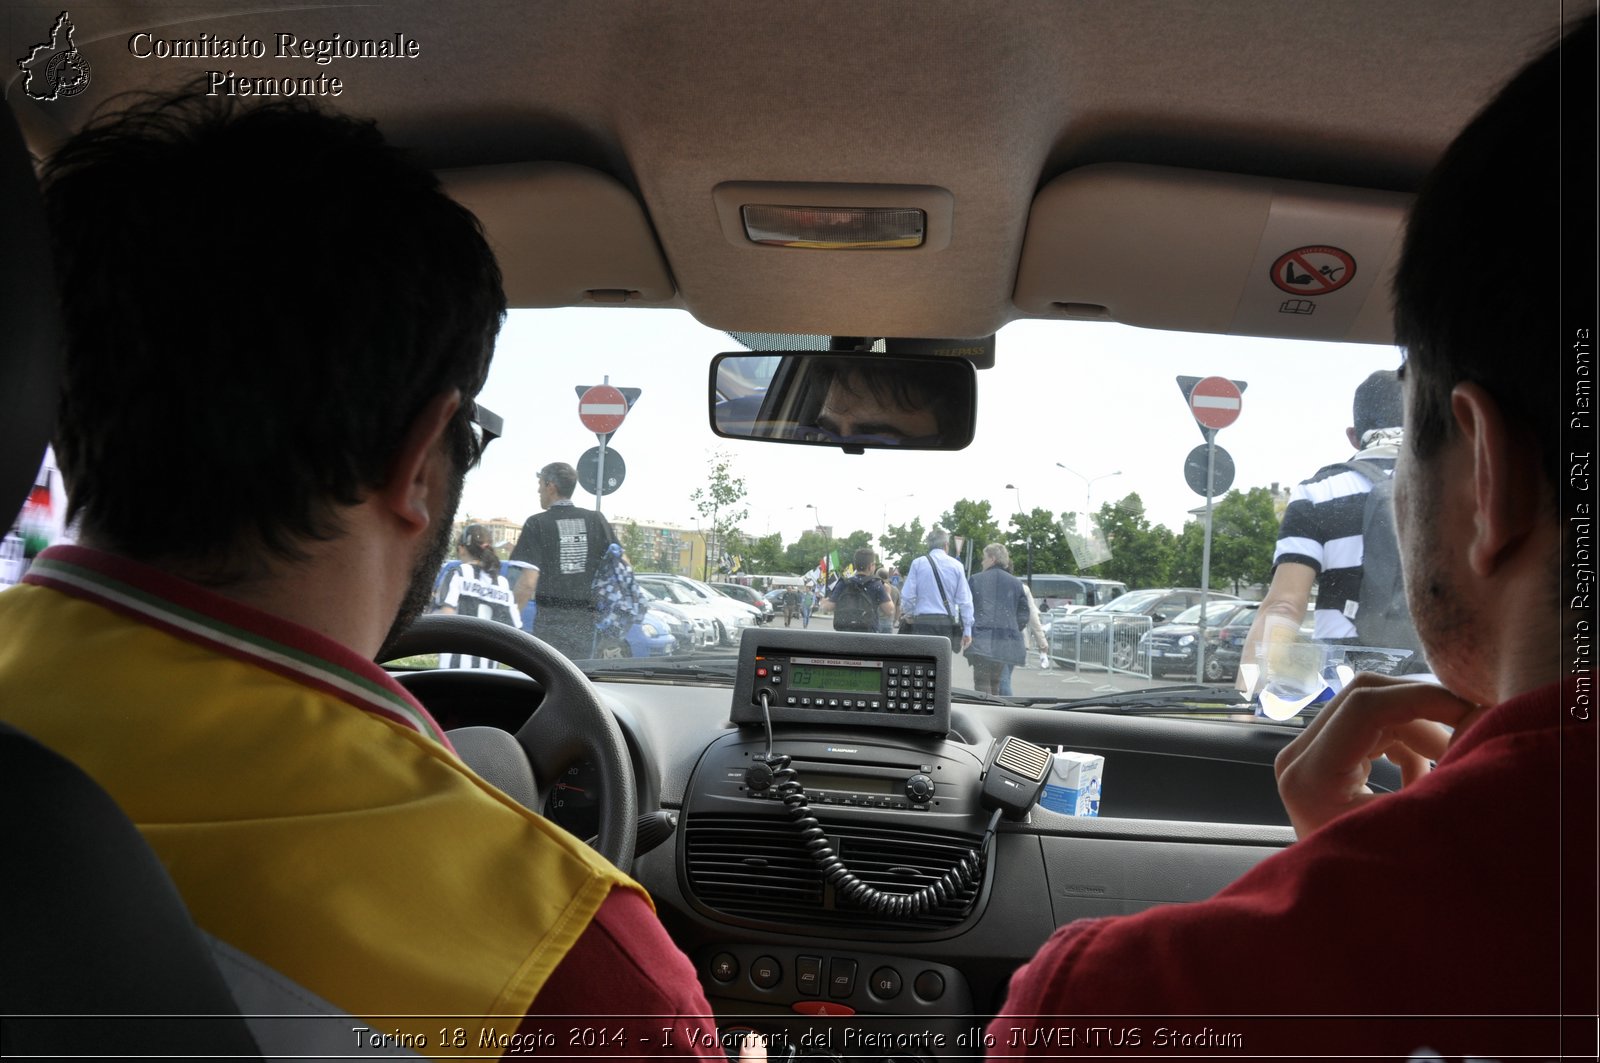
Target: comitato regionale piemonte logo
[[55, 70]]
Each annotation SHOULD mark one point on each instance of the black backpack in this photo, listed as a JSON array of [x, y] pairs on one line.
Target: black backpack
[[854, 609], [1382, 616]]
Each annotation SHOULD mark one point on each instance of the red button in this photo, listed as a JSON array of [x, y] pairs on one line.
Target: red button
[[822, 1007], [761, 671]]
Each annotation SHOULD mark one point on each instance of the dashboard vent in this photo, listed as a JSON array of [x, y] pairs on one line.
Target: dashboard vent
[[754, 867]]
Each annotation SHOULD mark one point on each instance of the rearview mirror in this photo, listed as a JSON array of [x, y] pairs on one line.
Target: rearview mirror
[[847, 400]]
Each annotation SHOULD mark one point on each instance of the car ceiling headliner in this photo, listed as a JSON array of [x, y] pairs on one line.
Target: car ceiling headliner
[[987, 100]]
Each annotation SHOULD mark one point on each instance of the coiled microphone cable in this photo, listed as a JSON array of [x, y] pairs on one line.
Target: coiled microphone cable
[[966, 874]]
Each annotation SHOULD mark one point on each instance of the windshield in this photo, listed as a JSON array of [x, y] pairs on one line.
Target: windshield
[[1216, 613], [1077, 470]]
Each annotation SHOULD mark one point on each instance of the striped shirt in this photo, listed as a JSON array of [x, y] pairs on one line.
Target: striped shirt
[[1321, 529]]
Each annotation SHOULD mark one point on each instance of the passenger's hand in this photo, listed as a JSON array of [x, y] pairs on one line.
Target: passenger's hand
[[752, 1049], [1323, 773]]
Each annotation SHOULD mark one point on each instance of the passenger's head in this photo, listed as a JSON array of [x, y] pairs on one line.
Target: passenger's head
[[1379, 404], [996, 554], [260, 303], [1494, 200], [478, 546], [937, 539], [1476, 485], [866, 560], [557, 481]]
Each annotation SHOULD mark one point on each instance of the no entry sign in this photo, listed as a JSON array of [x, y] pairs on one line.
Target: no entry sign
[[1215, 402], [602, 408]]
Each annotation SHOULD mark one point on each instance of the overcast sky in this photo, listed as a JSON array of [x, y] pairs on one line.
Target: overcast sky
[[1096, 397]]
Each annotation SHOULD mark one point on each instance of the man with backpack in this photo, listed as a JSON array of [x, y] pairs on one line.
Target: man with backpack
[[860, 601], [1338, 534]]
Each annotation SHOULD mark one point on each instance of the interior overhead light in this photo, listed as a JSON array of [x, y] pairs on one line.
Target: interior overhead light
[[834, 228]]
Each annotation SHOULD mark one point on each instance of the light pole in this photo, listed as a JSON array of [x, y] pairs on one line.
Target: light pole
[[1021, 513], [827, 540], [886, 500], [1088, 483]]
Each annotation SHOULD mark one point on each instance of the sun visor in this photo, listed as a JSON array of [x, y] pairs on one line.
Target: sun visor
[[1189, 250], [565, 235]]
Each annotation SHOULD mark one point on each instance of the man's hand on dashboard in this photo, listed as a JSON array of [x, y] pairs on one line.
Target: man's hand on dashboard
[[1323, 773]]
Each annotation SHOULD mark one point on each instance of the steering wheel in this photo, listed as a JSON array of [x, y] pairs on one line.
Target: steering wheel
[[570, 725]]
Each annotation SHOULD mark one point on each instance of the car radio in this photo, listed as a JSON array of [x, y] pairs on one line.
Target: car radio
[[856, 679]]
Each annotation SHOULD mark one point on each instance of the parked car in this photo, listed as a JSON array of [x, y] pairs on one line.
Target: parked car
[[692, 630], [1172, 647], [747, 595], [1109, 636], [728, 617]]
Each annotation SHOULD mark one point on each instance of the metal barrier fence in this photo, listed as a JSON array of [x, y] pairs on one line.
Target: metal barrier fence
[[1108, 641]]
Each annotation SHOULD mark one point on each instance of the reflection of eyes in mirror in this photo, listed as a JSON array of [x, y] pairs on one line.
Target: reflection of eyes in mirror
[[850, 400], [858, 404]]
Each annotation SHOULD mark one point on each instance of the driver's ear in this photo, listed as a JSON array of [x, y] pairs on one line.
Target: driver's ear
[[420, 470]]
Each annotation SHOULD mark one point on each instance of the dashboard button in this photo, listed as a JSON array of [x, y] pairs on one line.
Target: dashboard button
[[929, 985], [766, 972], [841, 978], [724, 968], [822, 1007], [885, 984], [808, 975]]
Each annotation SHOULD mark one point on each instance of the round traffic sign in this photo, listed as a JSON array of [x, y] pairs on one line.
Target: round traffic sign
[[589, 471], [602, 408], [1215, 402], [1194, 471]]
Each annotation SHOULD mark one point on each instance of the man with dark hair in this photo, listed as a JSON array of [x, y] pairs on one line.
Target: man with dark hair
[[1391, 904], [1323, 538], [562, 548], [860, 601], [319, 410]]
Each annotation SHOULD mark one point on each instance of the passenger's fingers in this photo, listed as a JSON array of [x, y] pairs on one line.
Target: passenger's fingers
[[753, 1048], [1323, 772]]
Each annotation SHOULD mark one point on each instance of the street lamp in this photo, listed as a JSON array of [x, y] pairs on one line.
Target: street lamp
[[886, 499], [1022, 513], [1088, 482]]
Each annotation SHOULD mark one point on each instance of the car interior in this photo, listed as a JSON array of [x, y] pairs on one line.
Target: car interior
[[1144, 164]]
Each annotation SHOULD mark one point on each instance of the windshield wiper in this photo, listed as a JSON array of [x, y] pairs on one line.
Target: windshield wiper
[[1193, 696], [619, 670]]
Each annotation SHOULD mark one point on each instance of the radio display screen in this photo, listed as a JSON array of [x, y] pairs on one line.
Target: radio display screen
[[865, 677], [849, 783]]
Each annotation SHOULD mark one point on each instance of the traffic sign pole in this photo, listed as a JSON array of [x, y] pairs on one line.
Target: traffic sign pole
[[602, 409], [1205, 560]]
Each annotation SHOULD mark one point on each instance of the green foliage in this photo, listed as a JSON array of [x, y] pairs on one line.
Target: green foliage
[[719, 504], [802, 555], [1141, 554], [1244, 533], [636, 544], [765, 555], [901, 543], [1051, 552], [974, 522]]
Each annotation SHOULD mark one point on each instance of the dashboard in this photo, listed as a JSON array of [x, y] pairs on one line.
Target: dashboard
[[1187, 806]]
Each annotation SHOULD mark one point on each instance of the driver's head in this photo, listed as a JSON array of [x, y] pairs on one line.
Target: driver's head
[[881, 399], [263, 305]]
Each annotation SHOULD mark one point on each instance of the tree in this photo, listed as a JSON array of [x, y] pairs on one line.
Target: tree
[[765, 555], [803, 554], [718, 504], [636, 545], [901, 543], [1141, 554], [1051, 551], [1244, 534], [972, 521]]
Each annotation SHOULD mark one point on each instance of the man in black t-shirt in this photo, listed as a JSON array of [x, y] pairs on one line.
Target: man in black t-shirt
[[563, 545]]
